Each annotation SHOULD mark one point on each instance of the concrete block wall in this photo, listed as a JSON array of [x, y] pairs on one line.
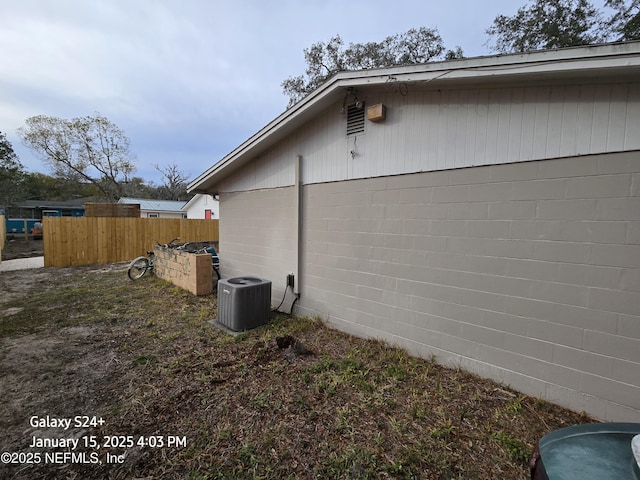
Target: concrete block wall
[[257, 236], [527, 273], [193, 272]]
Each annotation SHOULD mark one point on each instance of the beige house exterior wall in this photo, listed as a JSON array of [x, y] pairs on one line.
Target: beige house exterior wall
[[256, 237], [433, 130], [527, 273]]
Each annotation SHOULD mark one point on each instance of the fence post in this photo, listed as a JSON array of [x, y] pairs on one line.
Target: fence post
[[3, 234]]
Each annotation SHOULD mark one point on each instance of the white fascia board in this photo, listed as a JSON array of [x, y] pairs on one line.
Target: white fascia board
[[548, 62], [192, 201]]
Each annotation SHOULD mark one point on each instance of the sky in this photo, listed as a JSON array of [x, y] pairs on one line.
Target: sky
[[190, 80]]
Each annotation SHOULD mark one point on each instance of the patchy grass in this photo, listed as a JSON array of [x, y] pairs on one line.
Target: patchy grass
[[144, 357]]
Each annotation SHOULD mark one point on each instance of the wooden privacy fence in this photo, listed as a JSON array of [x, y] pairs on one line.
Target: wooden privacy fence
[[71, 241]]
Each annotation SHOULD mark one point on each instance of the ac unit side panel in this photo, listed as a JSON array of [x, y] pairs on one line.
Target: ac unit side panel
[[244, 305]]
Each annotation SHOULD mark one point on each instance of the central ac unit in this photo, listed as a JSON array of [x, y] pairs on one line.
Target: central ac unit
[[244, 302]]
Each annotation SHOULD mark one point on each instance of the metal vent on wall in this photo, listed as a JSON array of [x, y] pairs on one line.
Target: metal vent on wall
[[355, 119]]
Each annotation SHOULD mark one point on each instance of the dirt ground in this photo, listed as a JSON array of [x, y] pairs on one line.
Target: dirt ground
[[60, 372], [16, 246]]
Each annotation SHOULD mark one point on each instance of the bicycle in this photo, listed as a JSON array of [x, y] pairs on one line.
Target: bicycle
[[139, 267], [215, 259]]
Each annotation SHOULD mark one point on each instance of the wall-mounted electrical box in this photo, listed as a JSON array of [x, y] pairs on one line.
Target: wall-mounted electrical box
[[376, 113]]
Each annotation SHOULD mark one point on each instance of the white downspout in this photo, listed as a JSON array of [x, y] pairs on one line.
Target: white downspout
[[298, 221]]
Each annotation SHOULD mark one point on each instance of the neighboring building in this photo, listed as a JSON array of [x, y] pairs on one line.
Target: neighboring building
[[36, 209], [30, 212], [157, 208], [484, 210], [202, 206]]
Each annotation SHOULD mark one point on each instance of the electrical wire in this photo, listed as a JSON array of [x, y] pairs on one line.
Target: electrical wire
[[293, 303], [283, 297], [277, 309]]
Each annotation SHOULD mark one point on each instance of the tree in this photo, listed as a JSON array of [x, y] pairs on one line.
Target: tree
[[39, 186], [12, 174], [326, 59], [89, 148], [624, 23], [136, 187], [174, 183], [547, 24]]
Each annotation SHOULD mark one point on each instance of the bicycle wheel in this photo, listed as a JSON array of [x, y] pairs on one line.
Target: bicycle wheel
[[138, 268]]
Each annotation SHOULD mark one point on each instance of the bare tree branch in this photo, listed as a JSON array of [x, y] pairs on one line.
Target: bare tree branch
[[90, 147]]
